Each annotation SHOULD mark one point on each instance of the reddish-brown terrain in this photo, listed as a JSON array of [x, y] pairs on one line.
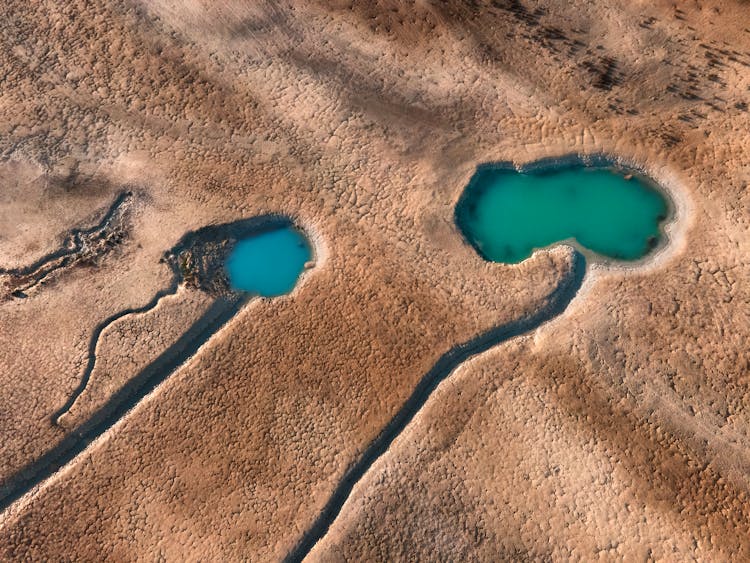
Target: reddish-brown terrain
[[618, 430]]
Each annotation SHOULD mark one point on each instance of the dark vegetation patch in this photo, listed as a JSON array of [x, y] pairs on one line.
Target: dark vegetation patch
[[699, 84], [705, 83], [604, 71]]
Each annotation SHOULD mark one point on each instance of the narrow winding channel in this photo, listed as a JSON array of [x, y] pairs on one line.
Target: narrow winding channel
[[94, 341], [79, 244], [75, 442]]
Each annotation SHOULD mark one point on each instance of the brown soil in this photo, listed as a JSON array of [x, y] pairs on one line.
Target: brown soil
[[617, 431]]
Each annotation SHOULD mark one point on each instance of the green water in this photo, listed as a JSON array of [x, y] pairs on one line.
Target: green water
[[268, 263], [507, 214]]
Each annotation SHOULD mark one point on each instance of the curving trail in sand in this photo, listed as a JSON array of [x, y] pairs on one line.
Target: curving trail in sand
[[94, 341], [555, 305]]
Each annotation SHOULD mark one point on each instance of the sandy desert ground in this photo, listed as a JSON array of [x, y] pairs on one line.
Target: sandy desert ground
[[618, 430]]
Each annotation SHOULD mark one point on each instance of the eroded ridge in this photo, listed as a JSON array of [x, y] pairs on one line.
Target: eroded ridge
[[554, 305], [197, 262], [79, 247]]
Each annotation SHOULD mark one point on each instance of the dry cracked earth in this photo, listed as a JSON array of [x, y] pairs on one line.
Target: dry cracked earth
[[617, 428]]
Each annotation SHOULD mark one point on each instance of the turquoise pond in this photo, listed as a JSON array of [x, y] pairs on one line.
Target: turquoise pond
[[268, 263], [506, 214]]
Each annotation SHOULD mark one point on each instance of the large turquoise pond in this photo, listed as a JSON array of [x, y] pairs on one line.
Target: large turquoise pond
[[506, 214], [268, 263]]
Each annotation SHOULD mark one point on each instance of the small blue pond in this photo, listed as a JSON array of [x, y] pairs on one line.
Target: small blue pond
[[268, 263]]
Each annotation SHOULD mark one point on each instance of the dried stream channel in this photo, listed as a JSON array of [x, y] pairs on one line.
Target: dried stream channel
[[267, 251], [79, 247], [505, 214]]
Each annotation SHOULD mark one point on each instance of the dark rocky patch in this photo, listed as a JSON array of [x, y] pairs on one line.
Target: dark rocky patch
[[80, 247]]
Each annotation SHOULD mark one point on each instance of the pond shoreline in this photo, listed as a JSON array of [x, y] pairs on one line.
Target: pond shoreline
[[474, 190]]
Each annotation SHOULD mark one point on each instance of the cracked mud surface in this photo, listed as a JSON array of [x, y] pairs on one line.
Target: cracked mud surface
[[618, 430]]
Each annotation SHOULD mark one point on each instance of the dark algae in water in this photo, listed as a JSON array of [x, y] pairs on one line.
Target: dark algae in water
[[506, 214]]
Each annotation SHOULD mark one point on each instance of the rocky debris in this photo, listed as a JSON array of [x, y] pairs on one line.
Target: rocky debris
[[81, 247]]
